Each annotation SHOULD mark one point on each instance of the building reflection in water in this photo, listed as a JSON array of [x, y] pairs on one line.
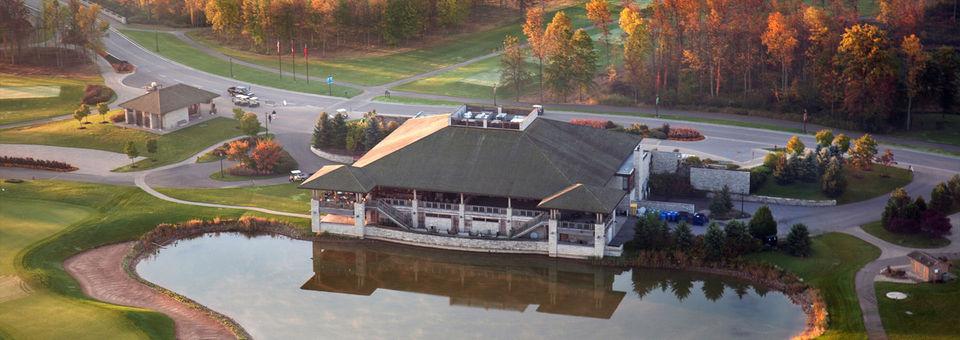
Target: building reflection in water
[[467, 279]]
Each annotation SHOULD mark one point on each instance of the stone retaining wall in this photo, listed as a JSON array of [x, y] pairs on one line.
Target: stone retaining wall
[[456, 243], [715, 179], [664, 162], [673, 206], [782, 200], [332, 156]]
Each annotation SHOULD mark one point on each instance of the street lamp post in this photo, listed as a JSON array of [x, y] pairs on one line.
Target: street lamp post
[[156, 39], [495, 93], [266, 120], [220, 156]]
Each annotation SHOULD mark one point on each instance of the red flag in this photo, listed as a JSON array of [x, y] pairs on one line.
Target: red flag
[[304, 51], [278, 46]]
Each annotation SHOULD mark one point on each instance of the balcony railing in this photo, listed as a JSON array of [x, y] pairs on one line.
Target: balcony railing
[[438, 205], [336, 204], [397, 202], [485, 209]]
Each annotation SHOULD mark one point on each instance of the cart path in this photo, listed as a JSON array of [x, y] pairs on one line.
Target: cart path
[[142, 184], [101, 276]]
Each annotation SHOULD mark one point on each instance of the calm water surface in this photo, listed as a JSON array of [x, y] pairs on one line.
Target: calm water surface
[[280, 288]]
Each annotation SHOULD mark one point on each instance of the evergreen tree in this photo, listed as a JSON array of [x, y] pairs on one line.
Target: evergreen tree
[[833, 183], [713, 242], [371, 134], [762, 225], [721, 204], [738, 240], [941, 198], [322, 132], [798, 241], [339, 131], [683, 236], [584, 61], [894, 208]]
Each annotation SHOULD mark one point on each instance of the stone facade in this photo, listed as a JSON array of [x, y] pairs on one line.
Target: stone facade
[[715, 179], [664, 162], [672, 206], [782, 200], [457, 243]]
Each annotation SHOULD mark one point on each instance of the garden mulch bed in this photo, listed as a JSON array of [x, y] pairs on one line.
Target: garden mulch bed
[[101, 276]]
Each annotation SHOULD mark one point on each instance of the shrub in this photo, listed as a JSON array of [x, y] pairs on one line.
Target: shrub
[[738, 240], [782, 172], [685, 134], [118, 116], [594, 123], [152, 145], [94, 94], [795, 146], [833, 183], [824, 137], [894, 208], [798, 241], [758, 176], [772, 159], [656, 134], [941, 199], [863, 152], [935, 223], [266, 155], [671, 185], [31, 163], [249, 124], [762, 225], [842, 142], [665, 128]]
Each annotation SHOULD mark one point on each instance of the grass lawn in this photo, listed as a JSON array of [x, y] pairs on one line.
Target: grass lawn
[[836, 259], [177, 50], [280, 197], [172, 147], [71, 88], [925, 128], [906, 240], [415, 101], [861, 185], [933, 307], [231, 178], [94, 215], [382, 69]]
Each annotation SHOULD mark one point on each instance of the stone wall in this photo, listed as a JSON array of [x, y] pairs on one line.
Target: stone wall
[[785, 201], [457, 243], [575, 251], [339, 229], [673, 206], [714, 180], [332, 156], [662, 162]]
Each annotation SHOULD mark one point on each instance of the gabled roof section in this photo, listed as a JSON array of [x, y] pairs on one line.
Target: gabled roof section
[[580, 197], [170, 98], [410, 132], [925, 258], [339, 178]]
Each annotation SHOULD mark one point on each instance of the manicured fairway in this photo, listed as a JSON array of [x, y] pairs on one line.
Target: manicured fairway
[[280, 197], [832, 268], [56, 308], [861, 185], [19, 102], [177, 50], [907, 240], [172, 147], [932, 309]]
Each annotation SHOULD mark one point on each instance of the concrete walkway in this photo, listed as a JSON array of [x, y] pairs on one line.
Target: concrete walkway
[[891, 255], [141, 183]]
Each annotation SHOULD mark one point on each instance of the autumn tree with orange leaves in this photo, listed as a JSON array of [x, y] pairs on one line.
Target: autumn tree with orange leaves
[[781, 42]]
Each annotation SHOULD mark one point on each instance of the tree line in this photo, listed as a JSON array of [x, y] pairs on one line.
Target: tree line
[[72, 25], [787, 55]]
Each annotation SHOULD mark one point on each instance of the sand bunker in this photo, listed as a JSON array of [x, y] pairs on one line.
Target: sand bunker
[[27, 92]]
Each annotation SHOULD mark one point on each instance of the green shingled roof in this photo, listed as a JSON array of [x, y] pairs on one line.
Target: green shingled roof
[[545, 158], [581, 197], [339, 178]]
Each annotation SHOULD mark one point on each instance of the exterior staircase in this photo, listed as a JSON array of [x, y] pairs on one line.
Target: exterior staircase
[[398, 217], [532, 224]]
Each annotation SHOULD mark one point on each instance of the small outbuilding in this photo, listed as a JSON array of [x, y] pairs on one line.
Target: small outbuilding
[[169, 108], [928, 268]]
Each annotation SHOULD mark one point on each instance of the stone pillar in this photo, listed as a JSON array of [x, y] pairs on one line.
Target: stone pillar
[[462, 221], [509, 216], [314, 214], [416, 211], [128, 116], [599, 239], [552, 235], [359, 218]]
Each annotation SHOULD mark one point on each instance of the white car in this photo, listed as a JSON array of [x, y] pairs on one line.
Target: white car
[[296, 176]]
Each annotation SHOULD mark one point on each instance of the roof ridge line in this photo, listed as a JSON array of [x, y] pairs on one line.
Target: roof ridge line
[[544, 155]]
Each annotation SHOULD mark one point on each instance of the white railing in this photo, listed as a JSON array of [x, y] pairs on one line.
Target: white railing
[[398, 201], [438, 205], [486, 209]]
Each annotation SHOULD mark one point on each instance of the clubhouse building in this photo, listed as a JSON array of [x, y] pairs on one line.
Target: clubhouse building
[[488, 181], [169, 108]]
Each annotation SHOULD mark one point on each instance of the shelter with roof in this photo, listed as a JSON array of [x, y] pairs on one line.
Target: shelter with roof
[[491, 175], [926, 267], [169, 108]]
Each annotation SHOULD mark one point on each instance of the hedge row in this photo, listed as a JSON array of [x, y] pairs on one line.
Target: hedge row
[[30, 163]]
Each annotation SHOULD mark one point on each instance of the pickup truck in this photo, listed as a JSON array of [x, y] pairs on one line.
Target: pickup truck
[[239, 90]]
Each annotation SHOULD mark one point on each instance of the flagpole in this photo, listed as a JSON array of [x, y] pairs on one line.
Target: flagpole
[[293, 58], [279, 63], [306, 62]]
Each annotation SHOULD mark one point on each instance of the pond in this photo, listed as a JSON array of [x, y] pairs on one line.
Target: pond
[[281, 288]]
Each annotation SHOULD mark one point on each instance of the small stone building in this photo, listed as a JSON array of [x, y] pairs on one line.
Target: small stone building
[[927, 267], [169, 108]]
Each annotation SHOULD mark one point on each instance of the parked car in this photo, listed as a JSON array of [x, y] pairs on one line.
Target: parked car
[[152, 87], [239, 90], [253, 102], [241, 100]]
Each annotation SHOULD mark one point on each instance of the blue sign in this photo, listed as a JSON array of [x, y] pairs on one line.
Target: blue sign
[[330, 80]]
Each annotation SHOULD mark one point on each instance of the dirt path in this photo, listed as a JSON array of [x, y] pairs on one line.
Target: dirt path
[[102, 277]]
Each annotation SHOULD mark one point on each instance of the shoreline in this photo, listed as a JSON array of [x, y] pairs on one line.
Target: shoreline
[[204, 319]]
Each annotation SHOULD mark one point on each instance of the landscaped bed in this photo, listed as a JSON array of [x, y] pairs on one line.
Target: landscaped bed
[[861, 185], [831, 269], [172, 147], [928, 312], [918, 240]]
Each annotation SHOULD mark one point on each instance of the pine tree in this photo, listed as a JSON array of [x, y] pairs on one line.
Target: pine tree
[[762, 225], [339, 131], [833, 182], [371, 134], [683, 236], [713, 242], [941, 198], [322, 134], [584, 61], [738, 240], [798, 241], [721, 204]]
